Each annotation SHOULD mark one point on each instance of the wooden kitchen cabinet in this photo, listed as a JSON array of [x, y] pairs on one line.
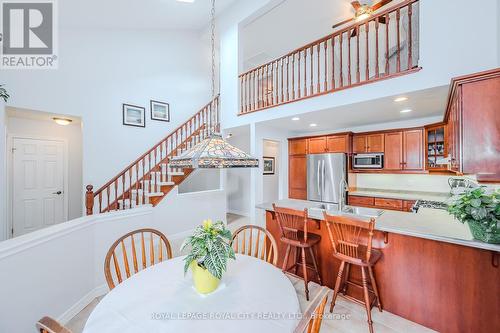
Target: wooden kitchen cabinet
[[368, 143], [393, 151], [297, 146], [328, 144], [381, 203], [435, 147], [297, 177], [413, 151], [316, 145], [404, 150], [338, 143], [472, 124]]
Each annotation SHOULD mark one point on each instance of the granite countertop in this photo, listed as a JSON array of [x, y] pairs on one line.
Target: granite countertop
[[405, 195], [428, 223]]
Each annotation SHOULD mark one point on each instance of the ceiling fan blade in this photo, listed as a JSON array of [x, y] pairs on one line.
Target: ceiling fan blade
[[342, 23], [380, 4], [356, 4]]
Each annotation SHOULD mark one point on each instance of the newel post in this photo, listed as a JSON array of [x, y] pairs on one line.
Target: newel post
[[89, 199]]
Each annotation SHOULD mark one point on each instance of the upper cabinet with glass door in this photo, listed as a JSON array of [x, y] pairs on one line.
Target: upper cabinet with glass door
[[435, 147]]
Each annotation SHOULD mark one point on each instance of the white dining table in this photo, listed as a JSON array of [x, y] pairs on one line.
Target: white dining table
[[254, 296]]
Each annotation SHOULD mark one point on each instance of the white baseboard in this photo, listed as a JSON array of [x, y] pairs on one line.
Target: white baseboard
[[82, 303]]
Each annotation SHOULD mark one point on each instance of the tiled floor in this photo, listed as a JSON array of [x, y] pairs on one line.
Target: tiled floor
[[351, 317]]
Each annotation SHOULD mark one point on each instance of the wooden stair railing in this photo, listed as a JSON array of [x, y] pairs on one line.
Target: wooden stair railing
[[149, 178], [380, 47]]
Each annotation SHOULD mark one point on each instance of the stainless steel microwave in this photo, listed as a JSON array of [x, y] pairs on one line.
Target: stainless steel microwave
[[368, 161]]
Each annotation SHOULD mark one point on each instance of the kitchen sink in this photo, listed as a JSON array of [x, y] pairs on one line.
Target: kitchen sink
[[361, 211]]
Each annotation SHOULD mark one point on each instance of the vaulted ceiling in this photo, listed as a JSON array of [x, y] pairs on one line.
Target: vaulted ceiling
[[137, 14]]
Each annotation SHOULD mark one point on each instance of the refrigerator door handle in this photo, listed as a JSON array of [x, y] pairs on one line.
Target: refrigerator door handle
[[323, 180], [317, 179]]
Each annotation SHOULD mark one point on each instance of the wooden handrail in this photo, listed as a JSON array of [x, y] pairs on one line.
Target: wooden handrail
[[121, 186], [311, 70]]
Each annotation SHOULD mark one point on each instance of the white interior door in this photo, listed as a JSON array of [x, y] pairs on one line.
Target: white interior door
[[38, 184]]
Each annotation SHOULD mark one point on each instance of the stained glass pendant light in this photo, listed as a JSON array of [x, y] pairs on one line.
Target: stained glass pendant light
[[214, 151]]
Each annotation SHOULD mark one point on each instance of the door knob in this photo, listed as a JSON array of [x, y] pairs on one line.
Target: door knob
[[58, 192]]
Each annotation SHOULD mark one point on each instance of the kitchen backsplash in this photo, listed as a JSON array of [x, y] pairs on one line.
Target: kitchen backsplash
[[402, 182]]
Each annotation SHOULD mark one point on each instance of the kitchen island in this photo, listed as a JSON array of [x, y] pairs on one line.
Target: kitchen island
[[432, 271]]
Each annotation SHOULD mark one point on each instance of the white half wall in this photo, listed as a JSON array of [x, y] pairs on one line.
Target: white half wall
[[57, 271]]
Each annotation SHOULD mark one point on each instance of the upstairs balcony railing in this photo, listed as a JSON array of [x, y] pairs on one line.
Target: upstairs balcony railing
[[386, 45]]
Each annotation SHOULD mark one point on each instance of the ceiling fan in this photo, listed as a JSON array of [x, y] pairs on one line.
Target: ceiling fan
[[363, 11]]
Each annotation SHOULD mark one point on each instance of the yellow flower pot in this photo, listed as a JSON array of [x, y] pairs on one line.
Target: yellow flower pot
[[204, 281]]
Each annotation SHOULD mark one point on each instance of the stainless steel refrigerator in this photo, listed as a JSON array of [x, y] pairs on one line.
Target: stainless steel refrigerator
[[325, 173]]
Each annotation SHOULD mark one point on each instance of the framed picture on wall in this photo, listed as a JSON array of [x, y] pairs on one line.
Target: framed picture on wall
[[269, 164], [134, 115], [160, 111]]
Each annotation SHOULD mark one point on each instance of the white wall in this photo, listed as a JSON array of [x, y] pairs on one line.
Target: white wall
[[73, 135], [201, 180], [237, 180], [57, 271], [270, 183], [448, 48], [101, 69], [3, 176]]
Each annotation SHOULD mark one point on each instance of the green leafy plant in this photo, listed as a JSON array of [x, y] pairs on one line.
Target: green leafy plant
[[210, 248], [481, 210], [3, 93]]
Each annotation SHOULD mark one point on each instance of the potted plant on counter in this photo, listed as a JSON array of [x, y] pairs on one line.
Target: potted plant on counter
[[210, 251], [3, 94], [481, 210]]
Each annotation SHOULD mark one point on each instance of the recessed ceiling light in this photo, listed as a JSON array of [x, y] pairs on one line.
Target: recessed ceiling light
[[313, 125], [185, 1], [400, 99], [406, 110], [62, 121], [295, 118]]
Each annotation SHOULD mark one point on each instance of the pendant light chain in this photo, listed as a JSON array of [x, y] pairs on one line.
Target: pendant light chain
[[213, 47]]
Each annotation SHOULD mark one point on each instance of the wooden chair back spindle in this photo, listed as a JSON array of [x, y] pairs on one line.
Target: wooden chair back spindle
[[350, 237], [290, 222], [123, 255], [257, 242], [313, 316], [49, 325]]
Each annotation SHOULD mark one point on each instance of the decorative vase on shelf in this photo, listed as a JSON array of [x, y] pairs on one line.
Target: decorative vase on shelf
[[210, 251], [480, 208]]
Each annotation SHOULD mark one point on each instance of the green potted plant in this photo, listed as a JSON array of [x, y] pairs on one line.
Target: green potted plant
[[3, 93], [210, 251], [481, 210]]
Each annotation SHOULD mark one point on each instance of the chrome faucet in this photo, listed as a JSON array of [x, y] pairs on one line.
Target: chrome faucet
[[343, 189]]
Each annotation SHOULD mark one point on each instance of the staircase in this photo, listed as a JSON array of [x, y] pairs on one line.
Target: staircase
[[149, 179]]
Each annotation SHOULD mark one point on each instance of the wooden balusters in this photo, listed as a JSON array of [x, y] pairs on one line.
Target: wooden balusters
[[398, 63], [278, 77], [410, 38], [367, 33], [341, 68]]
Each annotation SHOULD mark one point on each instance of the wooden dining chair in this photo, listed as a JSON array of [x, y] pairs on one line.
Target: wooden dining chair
[[49, 325], [257, 242], [313, 316], [351, 240], [146, 246], [293, 228]]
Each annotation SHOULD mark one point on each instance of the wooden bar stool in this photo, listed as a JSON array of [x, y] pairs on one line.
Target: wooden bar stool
[[293, 228], [351, 240]]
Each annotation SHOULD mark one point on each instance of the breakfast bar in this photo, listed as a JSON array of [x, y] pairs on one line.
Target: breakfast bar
[[428, 259]]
